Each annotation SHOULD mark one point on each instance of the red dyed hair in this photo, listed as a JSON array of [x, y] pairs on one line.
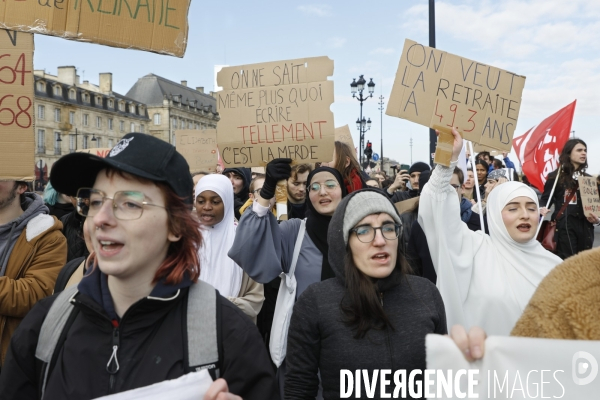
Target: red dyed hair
[[182, 255]]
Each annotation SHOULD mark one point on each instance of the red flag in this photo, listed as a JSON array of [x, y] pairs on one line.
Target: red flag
[[539, 148]]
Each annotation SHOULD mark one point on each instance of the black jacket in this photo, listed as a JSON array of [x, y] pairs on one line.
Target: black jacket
[[403, 195], [73, 231], [151, 347], [572, 210], [240, 199], [319, 342]]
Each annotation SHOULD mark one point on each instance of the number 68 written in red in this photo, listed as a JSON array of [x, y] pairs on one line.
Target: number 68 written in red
[[18, 114]]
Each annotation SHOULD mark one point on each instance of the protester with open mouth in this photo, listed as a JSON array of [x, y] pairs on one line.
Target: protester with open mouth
[[264, 248], [214, 206], [140, 315], [484, 280], [373, 315]]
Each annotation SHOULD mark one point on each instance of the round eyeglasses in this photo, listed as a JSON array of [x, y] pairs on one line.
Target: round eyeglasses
[[366, 233], [328, 185], [127, 205]]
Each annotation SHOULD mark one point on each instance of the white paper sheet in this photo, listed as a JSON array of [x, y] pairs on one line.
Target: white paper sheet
[[520, 368], [192, 386]]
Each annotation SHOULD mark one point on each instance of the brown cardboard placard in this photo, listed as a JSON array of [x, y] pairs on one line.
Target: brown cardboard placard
[[406, 205], [258, 170], [17, 141], [156, 26], [274, 110], [100, 152], [199, 148], [433, 87], [342, 134], [590, 199]]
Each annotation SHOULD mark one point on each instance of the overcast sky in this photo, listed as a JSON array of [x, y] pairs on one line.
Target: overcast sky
[[554, 43]]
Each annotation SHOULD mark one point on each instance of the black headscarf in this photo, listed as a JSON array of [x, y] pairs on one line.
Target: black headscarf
[[317, 224]]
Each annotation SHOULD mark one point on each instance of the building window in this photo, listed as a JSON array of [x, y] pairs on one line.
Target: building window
[[110, 124], [41, 112], [196, 126], [57, 142], [122, 126], [85, 142], [111, 104], [99, 101], [98, 142], [41, 87], [174, 123], [132, 109], [57, 91], [41, 141], [85, 119], [72, 117], [121, 106], [182, 124], [86, 98], [110, 143], [132, 127], [190, 125], [98, 122], [57, 115], [72, 143], [142, 128], [72, 94], [157, 119]]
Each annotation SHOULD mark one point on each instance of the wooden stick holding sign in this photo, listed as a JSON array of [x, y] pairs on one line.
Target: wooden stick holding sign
[[590, 199]]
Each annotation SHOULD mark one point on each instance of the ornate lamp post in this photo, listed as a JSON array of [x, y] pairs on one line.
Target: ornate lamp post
[[357, 88]]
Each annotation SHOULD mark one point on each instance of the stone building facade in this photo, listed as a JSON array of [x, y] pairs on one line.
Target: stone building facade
[[172, 106], [70, 115]]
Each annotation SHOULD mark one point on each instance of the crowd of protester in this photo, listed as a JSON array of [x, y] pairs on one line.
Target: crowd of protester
[[127, 272]]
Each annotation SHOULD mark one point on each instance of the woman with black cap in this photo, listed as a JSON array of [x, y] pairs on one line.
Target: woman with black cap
[[140, 315], [264, 249], [372, 316]]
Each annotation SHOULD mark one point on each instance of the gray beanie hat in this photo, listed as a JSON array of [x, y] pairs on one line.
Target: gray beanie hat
[[363, 204]]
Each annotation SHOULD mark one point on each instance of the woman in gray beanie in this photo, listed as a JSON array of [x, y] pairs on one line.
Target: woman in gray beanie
[[372, 316]]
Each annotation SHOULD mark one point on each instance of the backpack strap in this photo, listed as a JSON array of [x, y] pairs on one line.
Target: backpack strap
[[66, 272], [52, 329], [203, 328]]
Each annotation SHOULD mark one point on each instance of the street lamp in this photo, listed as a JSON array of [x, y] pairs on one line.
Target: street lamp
[[94, 139], [357, 88]]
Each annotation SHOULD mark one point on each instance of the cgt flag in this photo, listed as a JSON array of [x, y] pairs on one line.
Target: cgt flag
[[539, 148]]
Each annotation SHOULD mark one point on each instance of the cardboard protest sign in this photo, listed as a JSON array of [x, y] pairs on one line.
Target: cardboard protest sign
[[199, 148], [258, 170], [442, 90], [406, 205], [100, 152], [157, 26], [342, 134], [17, 148], [274, 110], [590, 199]]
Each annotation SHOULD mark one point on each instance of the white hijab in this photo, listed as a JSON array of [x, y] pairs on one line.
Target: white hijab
[[526, 264], [216, 268]]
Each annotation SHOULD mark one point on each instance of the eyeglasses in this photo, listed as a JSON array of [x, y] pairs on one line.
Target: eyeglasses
[[366, 233], [127, 205], [328, 185]]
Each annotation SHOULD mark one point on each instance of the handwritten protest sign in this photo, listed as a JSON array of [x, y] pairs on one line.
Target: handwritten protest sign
[[342, 134], [199, 148], [274, 110], [442, 90], [17, 142], [100, 152], [157, 26], [590, 199]]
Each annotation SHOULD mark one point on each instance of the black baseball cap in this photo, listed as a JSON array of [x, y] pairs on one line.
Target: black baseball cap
[[138, 154]]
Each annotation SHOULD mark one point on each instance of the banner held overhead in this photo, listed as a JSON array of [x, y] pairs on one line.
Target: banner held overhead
[[156, 26], [17, 149], [199, 148], [274, 110]]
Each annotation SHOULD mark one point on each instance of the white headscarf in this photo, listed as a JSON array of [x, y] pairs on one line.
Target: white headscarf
[[526, 263], [216, 268]]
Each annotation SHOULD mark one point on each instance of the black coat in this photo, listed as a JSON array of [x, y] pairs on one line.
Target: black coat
[[73, 231], [151, 348]]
